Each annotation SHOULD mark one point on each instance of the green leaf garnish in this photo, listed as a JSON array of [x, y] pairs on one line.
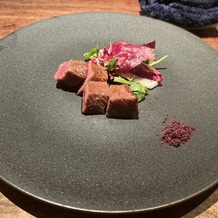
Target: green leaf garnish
[[92, 53], [111, 65]]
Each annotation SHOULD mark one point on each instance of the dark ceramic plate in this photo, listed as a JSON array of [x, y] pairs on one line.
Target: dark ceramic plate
[[51, 151]]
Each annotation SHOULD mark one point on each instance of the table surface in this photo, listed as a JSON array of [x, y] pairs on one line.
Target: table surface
[[15, 14]]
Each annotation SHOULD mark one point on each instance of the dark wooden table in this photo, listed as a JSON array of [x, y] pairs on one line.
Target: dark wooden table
[[15, 14]]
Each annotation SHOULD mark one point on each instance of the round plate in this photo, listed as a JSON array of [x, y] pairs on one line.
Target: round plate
[[51, 151]]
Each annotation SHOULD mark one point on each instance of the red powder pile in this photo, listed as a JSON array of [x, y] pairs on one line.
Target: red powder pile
[[176, 133]]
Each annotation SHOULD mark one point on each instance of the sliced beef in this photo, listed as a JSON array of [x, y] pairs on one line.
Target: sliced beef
[[72, 73], [95, 97], [122, 104], [95, 73]]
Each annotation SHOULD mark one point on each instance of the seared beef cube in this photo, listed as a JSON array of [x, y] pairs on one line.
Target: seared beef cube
[[95, 97], [72, 73], [122, 103], [95, 73]]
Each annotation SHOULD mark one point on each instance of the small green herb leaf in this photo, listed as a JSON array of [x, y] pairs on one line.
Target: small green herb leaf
[[138, 90], [92, 53], [111, 65]]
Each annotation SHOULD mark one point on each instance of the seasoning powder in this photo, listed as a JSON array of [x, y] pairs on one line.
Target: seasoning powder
[[177, 133]]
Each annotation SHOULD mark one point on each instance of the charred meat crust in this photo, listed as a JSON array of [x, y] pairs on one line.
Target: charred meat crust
[[122, 104], [95, 97], [95, 73], [71, 73]]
